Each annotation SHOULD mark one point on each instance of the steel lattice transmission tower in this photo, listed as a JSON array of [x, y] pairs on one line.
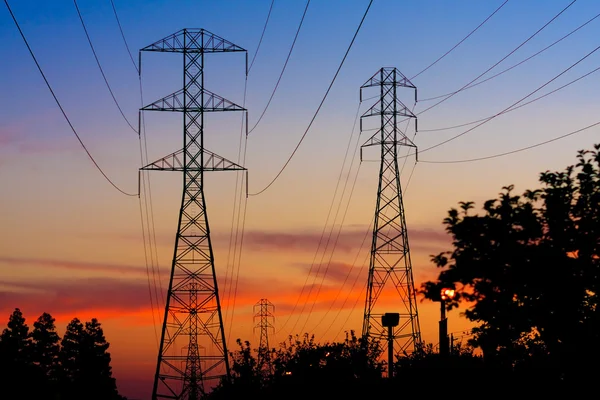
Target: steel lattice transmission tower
[[390, 262], [193, 318], [264, 311]]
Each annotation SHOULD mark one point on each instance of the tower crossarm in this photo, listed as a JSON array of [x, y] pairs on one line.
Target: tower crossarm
[[388, 76], [175, 162], [381, 108], [193, 41], [198, 100], [375, 140]]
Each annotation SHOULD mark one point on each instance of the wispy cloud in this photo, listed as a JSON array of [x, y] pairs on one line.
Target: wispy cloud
[[74, 265], [75, 297], [332, 271], [345, 240], [26, 138], [7, 136], [45, 147]]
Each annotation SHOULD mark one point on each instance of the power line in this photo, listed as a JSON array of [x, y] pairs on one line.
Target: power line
[[282, 70], [123, 36], [148, 275], [261, 36], [514, 151], [233, 285], [516, 65], [60, 106], [358, 297], [239, 261], [334, 219], [146, 177], [514, 108], [102, 70], [320, 105], [339, 232], [147, 200], [328, 215], [146, 184], [367, 234], [512, 105], [459, 43], [503, 58], [332, 252]]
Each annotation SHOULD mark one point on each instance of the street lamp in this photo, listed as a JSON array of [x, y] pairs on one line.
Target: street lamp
[[390, 320], [446, 294]]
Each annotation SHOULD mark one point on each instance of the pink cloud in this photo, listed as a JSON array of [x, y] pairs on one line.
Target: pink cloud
[[333, 271], [26, 138], [39, 147], [71, 297], [7, 136], [348, 240], [75, 265]]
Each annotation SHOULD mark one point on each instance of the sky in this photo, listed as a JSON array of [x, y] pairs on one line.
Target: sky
[[74, 246]]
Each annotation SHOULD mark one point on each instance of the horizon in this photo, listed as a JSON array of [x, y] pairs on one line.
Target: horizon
[[73, 246]]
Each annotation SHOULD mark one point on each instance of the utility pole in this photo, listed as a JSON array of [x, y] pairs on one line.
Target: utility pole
[[390, 262], [264, 311], [445, 295], [192, 317], [389, 321]]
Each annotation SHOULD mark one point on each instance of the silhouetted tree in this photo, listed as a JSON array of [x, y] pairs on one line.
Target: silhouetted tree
[[15, 360], [529, 270], [71, 360], [33, 365], [45, 350], [85, 362], [96, 371], [15, 343]]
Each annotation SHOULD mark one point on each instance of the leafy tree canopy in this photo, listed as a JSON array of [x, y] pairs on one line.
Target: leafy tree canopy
[[527, 269]]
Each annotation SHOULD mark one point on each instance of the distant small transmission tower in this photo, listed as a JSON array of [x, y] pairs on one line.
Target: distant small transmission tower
[[193, 317], [390, 262], [264, 311]]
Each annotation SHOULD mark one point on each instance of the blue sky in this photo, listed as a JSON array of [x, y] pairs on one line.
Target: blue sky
[[56, 206]]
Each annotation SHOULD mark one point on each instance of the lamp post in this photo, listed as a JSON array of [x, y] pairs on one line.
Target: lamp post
[[446, 294], [390, 320]]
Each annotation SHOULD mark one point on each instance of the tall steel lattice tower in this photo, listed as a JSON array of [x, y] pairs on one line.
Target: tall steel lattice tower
[[390, 262], [193, 318], [264, 311]]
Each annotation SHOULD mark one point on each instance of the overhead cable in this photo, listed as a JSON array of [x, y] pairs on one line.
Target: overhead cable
[[502, 59], [513, 151], [512, 105], [517, 64], [123, 36], [310, 271], [101, 69], [261, 36], [513, 108], [60, 106], [262, 114], [459, 43], [320, 105]]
